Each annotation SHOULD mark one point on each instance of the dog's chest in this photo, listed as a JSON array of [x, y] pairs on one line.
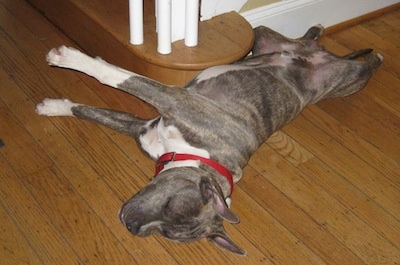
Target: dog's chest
[[161, 139]]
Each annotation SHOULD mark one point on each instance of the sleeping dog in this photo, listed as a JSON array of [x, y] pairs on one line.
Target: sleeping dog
[[207, 130]]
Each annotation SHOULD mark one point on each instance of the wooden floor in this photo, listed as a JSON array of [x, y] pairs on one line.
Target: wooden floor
[[324, 190]]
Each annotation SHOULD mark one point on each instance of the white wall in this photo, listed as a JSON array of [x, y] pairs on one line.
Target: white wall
[[293, 17]]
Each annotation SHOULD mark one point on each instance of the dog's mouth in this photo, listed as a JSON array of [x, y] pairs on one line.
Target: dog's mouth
[[156, 227], [134, 225], [182, 233]]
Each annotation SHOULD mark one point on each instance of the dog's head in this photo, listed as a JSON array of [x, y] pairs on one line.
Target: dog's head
[[183, 205]]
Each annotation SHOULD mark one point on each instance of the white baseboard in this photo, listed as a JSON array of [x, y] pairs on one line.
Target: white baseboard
[[293, 17]]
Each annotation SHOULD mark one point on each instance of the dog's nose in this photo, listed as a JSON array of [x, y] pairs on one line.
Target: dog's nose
[[134, 227]]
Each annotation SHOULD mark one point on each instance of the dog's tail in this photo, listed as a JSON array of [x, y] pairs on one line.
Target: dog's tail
[[357, 54]]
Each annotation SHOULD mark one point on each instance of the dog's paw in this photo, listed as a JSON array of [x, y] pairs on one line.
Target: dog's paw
[[55, 107], [61, 56]]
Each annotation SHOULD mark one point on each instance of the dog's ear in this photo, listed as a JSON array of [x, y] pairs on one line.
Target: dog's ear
[[221, 239], [211, 190]]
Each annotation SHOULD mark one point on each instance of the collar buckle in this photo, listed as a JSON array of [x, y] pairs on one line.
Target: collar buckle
[[168, 157]]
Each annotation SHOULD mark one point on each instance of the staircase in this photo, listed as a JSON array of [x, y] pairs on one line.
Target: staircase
[[103, 30]]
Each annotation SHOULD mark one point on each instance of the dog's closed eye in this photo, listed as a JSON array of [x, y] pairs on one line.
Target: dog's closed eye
[[179, 208]]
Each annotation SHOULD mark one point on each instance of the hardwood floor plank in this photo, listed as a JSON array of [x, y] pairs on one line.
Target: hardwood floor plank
[[33, 223], [381, 116], [396, 14], [353, 199], [346, 163], [281, 246], [364, 125], [294, 219], [388, 80], [289, 148], [14, 247], [324, 209], [387, 27], [352, 141], [21, 147], [384, 95], [75, 220]]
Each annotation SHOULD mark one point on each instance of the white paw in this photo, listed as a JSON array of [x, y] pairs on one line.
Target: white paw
[[62, 56], [55, 107]]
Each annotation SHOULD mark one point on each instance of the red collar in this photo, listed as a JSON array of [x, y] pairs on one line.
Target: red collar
[[168, 157]]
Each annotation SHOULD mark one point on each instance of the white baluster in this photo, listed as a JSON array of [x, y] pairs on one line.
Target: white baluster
[[163, 26], [191, 23], [136, 21]]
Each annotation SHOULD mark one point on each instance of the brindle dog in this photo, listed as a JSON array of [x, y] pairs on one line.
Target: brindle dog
[[207, 131]]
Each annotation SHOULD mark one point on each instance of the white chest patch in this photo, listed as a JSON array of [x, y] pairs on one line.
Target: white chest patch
[[163, 139]]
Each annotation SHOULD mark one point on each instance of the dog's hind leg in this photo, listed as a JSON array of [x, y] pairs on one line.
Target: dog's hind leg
[[151, 91]]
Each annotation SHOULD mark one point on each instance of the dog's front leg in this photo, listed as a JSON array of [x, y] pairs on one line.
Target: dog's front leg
[[120, 121], [104, 72], [156, 94]]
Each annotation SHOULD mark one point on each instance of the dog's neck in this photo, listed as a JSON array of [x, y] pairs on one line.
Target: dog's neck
[[160, 141], [167, 158]]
